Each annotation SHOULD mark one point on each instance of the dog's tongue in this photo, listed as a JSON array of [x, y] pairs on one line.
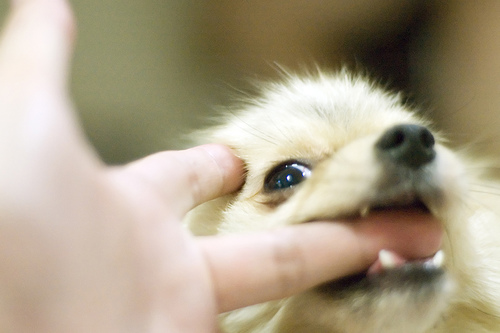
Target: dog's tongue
[[408, 234]]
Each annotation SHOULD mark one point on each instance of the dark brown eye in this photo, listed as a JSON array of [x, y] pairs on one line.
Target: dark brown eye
[[286, 175]]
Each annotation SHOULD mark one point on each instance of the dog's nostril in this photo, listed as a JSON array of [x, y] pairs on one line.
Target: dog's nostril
[[392, 139], [426, 138], [409, 145]]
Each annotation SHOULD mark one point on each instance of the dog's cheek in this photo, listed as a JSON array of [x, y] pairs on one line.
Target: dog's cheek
[[247, 215], [205, 219], [451, 176], [339, 186]]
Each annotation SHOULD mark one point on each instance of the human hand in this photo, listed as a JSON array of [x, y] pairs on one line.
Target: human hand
[[86, 247]]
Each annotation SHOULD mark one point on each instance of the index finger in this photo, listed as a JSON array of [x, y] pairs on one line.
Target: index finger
[[254, 268]]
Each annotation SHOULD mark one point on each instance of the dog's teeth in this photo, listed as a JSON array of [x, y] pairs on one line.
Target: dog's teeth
[[438, 259], [364, 211], [387, 259]]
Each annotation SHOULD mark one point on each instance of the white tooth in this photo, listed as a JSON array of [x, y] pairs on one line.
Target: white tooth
[[438, 258], [364, 211], [386, 259]]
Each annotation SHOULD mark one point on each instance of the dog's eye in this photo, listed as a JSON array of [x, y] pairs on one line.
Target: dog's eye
[[286, 176]]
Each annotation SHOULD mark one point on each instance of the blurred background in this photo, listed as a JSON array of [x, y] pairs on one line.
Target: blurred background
[[146, 72]]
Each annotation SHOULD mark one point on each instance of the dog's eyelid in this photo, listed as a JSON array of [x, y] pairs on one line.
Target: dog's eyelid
[[308, 163]]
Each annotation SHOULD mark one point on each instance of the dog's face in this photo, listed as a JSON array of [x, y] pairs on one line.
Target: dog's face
[[337, 148]]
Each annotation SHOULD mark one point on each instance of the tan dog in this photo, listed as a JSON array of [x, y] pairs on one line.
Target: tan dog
[[334, 147]]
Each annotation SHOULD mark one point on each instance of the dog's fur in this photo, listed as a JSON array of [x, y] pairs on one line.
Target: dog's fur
[[332, 124]]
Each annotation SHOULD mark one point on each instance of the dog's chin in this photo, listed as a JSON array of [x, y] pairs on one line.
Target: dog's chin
[[420, 278], [411, 298]]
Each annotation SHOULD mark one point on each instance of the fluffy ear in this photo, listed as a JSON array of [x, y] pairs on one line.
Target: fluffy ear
[[205, 219]]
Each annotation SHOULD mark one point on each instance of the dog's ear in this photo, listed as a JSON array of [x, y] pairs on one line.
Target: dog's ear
[[205, 219]]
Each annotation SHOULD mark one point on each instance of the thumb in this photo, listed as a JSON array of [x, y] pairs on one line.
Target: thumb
[[189, 177]]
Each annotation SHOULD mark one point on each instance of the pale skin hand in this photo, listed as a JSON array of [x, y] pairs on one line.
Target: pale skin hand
[[89, 248]]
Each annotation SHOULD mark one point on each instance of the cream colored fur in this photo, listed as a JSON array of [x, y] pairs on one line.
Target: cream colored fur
[[333, 122]]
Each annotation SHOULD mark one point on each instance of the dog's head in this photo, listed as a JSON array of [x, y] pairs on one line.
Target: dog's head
[[339, 148]]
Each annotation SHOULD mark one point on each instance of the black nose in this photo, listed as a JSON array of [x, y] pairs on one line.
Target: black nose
[[408, 145]]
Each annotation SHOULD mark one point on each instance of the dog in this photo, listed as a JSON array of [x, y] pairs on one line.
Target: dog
[[329, 146]]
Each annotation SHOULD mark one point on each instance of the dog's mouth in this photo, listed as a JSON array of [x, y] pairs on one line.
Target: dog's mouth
[[402, 268], [390, 272]]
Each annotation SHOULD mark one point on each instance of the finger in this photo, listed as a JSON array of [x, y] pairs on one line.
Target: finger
[[39, 137], [36, 44], [34, 52], [250, 269], [188, 177]]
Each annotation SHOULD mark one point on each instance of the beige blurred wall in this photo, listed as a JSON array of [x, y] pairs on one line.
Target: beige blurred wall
[[457, 69]]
